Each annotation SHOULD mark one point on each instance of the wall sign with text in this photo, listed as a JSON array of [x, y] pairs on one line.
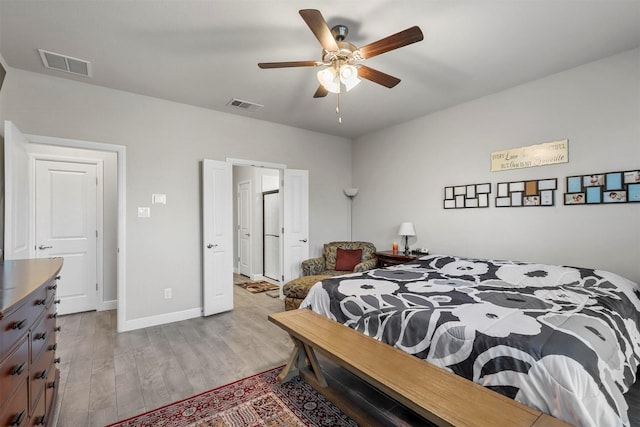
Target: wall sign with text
[[609, 187], [549, 153], [537, 192]]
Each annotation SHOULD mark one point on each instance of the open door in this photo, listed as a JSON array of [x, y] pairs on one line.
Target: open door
[[217, 229], [17, 205], [295, 212]]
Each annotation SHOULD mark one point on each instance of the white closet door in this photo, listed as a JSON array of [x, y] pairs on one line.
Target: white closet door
[[217, 227]]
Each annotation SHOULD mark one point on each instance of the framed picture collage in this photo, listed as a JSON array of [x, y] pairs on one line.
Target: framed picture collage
[[592, 189], [609, 187]]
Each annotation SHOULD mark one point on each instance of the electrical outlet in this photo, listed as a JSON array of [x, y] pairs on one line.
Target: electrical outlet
[[167, 293]]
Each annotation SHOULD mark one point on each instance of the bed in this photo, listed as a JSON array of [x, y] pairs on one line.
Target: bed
[[563, 340]]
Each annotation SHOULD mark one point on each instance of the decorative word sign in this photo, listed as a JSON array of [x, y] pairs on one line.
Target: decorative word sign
[[545, 154]]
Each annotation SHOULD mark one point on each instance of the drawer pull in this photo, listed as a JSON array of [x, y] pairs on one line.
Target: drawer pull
[[42, 375], [52, 287], [39, 421], [42, 336], [41, 301], [56, 360], [18, 369], [53, 347], [17, 419], [57, 301], [57, 328], [52, 384], [53, 316], [19, 325]]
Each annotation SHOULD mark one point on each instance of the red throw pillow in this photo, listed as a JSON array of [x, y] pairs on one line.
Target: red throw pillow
[[347, 259]]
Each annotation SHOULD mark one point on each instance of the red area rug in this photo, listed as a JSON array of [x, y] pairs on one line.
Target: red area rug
[[259, 400]]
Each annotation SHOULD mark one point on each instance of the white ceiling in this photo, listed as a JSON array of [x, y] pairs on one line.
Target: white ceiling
[[204, 53]]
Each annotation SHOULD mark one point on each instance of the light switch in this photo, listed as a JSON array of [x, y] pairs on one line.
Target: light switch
[[159, 199], [144, 212]]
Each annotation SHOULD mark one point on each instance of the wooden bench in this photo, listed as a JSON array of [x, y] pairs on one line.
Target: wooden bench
[[439, 396]]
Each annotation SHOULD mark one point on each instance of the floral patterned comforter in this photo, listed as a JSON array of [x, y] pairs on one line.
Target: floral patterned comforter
[[563, 340]]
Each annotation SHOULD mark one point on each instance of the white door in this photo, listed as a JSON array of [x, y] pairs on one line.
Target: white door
[[295, 211], [17, 207], [66, 226], [217, 228], [244, 228], [271, 232]]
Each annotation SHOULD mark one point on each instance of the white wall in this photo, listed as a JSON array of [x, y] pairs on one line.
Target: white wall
[[165, 144], [402, 171]]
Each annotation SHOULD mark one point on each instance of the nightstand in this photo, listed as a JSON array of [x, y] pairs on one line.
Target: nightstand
[[387, 258]]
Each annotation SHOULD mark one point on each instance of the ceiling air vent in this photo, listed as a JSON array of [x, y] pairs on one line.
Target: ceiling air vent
[[244, 105], [55, 61]]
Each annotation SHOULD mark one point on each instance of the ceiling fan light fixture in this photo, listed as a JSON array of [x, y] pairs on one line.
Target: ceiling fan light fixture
[[349, 76], [328, 78]]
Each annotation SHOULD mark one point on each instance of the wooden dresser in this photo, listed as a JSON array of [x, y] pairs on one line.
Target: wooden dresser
[[28, 374]]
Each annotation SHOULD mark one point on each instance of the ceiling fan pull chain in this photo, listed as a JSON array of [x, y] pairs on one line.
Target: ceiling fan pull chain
[[338, 109]]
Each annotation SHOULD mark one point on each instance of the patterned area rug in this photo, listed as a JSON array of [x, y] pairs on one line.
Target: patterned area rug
[[257, 287], [259, 400]]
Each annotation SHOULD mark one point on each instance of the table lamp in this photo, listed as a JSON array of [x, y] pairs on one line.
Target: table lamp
[[406, 230]]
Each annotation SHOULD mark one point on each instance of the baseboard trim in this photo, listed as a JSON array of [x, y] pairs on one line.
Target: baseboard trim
[[108, 305], [161, 319]]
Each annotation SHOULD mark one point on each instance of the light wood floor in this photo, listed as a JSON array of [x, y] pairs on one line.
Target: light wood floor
[[106, 376]]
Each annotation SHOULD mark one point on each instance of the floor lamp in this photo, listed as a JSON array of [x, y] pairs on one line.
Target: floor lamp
[[351, 193]]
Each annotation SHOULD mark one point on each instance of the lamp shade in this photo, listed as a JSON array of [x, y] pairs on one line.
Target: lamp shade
[[351, 192], [329, 78], [406, 229], [349, 76]]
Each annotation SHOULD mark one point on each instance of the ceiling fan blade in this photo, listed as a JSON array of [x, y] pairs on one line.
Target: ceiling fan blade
[[377, 76], [319, 28], [321, 92], [394, 41], [289, 64]]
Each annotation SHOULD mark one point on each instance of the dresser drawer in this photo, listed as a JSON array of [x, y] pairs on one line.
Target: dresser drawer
[[38, 377], [15, 409], [51, 287], [39, 413], [17, 323], [50, 391], [14, 370], [40, 337]]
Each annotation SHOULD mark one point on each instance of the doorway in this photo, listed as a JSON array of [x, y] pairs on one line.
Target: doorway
[[219, 252], [21, 151], [249, 183]]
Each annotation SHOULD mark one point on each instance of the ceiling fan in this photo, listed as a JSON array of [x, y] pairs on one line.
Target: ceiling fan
[[341, 59]]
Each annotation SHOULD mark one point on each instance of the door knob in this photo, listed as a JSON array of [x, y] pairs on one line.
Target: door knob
[[211, 246], [303, 240], [247, 234], [42, 247]]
